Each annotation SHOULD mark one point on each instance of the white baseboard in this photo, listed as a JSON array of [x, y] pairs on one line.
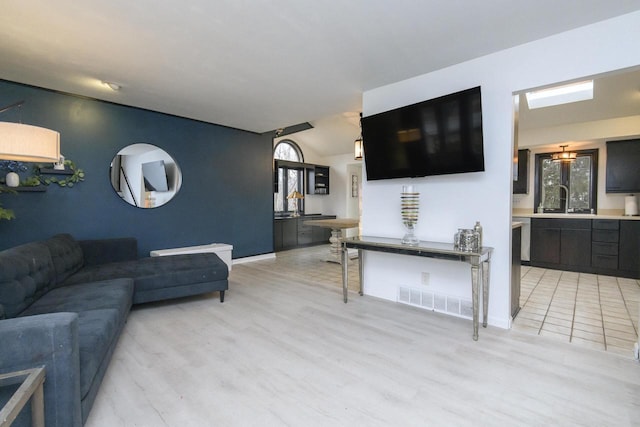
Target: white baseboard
[[262, 257]]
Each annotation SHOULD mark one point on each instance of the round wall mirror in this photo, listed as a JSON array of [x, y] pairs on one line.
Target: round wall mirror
[[145, 176]]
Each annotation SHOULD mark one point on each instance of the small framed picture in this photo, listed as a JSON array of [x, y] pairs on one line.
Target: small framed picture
[[354, 185]]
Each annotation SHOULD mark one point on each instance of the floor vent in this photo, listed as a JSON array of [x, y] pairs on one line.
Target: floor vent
[[436, 302]]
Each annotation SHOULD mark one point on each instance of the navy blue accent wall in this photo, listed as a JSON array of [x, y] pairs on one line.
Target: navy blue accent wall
[[226, 194]]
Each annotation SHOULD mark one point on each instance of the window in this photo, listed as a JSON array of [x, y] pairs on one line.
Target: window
[[559, 183], [288, 150], [290, 178]]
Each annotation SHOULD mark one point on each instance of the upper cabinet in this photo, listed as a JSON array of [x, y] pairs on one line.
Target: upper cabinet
[[318, 180], [623, 174], [317, 176], [521, 182]]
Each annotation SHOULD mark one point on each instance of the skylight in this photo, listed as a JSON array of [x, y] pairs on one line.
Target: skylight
[[557, 95]]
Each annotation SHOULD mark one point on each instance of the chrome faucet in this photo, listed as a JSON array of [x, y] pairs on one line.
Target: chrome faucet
[[566, 204]]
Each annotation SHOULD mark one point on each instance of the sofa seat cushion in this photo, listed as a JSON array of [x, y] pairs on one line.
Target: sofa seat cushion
[[159, 272], [108, 294], [97, 331], [102, 309]]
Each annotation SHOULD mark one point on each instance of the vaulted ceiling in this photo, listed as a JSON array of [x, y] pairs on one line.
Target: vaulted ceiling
[[263, 64]]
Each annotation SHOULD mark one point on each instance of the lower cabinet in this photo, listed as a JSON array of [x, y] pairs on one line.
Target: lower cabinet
[[599, 246], [560, 243], [516, 240], [545, 242], [290, 233], [629, 252], [604, 244], [575, 245]]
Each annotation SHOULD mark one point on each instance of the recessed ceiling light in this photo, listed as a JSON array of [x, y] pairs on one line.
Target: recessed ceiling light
[[557, 95], [113, 86]]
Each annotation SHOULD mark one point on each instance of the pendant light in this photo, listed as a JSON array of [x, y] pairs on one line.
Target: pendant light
[[564, 156], [25, 143], [357, 144]]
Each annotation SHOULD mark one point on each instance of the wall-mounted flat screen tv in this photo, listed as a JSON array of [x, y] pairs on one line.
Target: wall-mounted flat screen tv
[[623, 166], [434, 137], [155, 176]]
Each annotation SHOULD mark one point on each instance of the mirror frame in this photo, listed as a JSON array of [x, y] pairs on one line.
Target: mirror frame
[[137, 174]]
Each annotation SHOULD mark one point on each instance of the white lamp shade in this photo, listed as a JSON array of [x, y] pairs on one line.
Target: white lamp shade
[[27, 143]]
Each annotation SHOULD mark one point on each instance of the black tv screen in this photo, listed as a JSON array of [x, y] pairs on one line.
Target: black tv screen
[[434, 137], [623, 161], [155, 176]]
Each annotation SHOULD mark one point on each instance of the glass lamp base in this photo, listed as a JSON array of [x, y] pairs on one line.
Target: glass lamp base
[[410, 238]]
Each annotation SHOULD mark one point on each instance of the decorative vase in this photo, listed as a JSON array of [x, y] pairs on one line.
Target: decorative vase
[[410, 201], [12, 179]]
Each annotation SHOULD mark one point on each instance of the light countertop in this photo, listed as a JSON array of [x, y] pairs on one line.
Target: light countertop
[[574, 216]]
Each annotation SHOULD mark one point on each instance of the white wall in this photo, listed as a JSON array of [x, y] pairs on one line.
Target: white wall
[[339, 201], [453, 201]]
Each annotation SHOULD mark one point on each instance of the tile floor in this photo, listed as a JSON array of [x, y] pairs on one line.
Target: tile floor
[[599, 312]]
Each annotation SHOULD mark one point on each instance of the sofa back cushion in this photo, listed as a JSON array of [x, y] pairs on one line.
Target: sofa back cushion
[[26, 273], [66, 255]]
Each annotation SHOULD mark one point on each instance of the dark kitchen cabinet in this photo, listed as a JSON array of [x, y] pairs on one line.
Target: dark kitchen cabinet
[[289, 229], [521, 183], [600, 246], [305, 234], [629, 252], [561, 243], [292, 232], [318, 180], [575, 244], [277, 235], [516, 239], [545, 242], [604, 244]]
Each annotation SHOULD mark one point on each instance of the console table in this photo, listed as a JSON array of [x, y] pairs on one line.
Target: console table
[[479, 262], [30, 389]]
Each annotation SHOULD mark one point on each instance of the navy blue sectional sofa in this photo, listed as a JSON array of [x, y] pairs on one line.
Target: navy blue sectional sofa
[[64, 303]]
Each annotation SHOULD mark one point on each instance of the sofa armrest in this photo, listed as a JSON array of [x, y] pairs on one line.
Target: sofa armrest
[[49, 340], [103, 251]]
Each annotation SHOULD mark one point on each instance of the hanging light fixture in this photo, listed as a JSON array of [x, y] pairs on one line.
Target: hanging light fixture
[[564, 156], [357, 144], [357, 149], [25, 143]]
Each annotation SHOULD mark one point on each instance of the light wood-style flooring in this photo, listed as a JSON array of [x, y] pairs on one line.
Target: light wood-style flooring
[[284, 350]]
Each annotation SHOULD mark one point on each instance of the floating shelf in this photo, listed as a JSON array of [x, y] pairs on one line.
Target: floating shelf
[[51, 171], [30, 189]]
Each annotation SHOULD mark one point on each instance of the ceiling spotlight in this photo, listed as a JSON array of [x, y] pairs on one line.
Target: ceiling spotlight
[[113, 86]]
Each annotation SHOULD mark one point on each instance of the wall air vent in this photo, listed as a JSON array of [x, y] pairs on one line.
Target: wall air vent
[[456, 306]]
